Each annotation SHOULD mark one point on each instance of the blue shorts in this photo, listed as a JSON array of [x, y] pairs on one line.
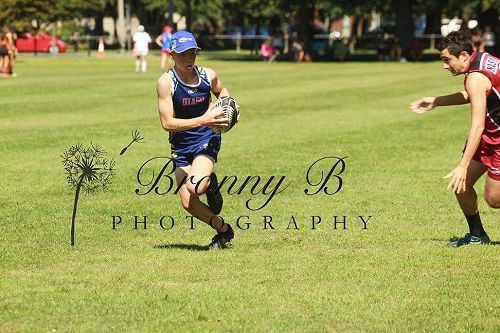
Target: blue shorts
[[185, 156]]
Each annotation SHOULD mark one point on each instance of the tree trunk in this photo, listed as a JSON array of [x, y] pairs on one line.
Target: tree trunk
[[433, 17], [189, 14], [257, 42], [306, 18], [404, 24], [99, 28]]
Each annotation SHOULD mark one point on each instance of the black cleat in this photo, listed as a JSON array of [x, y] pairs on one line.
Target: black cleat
[[214, 197], [219, 241]]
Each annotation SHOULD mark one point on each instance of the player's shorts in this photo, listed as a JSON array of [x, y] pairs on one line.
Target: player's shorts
[[141, 52], [185, 156], [166, 51], [490, 158]]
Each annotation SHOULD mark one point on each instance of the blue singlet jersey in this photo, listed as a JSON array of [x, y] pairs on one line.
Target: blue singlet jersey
[[166, 40], [191, 101]]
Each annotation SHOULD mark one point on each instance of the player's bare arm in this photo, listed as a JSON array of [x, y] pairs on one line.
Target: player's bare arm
[[167, 115], [218, 88], [159, 41], [477, 87], [425, 104]]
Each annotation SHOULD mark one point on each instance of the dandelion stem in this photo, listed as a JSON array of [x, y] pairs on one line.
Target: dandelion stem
[[75, 205]]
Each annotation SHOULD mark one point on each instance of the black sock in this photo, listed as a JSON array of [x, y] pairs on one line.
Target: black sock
[[475, 225]]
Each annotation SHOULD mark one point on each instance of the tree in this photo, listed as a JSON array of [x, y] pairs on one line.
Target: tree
[[21, 13]]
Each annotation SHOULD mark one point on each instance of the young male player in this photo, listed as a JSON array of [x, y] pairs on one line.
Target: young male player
[[482, 149], [184, 95]]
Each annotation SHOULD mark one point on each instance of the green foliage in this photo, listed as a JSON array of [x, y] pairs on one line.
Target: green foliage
[[21, 13]]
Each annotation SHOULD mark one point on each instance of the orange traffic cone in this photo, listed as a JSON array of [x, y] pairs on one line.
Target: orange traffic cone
[[100, 48]]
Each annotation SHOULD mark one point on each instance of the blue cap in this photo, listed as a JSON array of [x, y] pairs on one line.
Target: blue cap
[[182, 41]]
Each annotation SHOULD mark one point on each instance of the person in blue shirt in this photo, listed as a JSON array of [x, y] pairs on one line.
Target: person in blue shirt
[[164, 40], [184, 96]]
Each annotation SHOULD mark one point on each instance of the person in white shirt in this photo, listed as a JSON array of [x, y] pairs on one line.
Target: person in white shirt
[[141, 48]]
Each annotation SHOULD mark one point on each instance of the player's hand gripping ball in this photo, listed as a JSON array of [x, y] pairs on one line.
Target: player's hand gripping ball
[[230, 111]]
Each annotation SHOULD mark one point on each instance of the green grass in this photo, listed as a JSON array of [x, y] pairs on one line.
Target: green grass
[[396, 276]]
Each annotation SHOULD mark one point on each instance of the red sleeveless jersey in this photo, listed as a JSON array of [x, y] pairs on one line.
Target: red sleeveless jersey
[[489, 66]]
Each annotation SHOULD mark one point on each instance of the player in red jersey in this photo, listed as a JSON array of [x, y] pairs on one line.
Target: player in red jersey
[[482, 149]]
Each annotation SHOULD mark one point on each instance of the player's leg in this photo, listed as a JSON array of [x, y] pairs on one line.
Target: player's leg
[[196, 179], [192, 203], [5, 65], [468, 202], [137, 63], [144, 63], [203, 180], [468, 199], [492, 192]]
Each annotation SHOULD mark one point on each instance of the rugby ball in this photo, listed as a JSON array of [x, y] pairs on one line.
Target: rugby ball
[[230, 111]]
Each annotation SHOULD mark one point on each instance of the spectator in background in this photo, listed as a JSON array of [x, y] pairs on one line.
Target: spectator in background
[[383, 49], [416, 50], [75, 39], [12, 51], [297, 49], [340, 49], [4, 53], [164, 40], [269, 53], [7, 52], [396, 50], [141, 48], [477, 41], [278, 43], [489, 40]]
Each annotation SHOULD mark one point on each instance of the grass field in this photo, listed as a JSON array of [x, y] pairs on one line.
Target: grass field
[[398, 275]]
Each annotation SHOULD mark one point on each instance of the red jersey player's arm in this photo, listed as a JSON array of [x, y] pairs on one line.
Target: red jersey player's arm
[[428, 103], [477, 86], [167, 114], [458, 98]]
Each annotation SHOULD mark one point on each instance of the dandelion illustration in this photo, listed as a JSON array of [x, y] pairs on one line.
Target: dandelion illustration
[[89, 170], [136, 137]]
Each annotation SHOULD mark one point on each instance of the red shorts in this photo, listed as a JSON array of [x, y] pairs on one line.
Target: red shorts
[[490, 157], [167, 52]]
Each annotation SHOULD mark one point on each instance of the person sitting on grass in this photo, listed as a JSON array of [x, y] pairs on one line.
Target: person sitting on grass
[[269, 53]]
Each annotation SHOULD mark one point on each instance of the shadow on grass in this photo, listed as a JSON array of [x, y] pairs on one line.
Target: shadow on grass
[[190, 247]]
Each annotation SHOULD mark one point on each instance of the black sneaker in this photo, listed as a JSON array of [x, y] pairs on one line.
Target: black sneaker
[[219, 241], [214, 197]]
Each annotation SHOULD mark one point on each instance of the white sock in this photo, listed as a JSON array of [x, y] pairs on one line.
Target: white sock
[[144, 66], [137, 65]]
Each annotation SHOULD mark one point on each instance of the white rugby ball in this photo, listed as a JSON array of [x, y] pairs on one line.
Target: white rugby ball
[[230, 111]]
